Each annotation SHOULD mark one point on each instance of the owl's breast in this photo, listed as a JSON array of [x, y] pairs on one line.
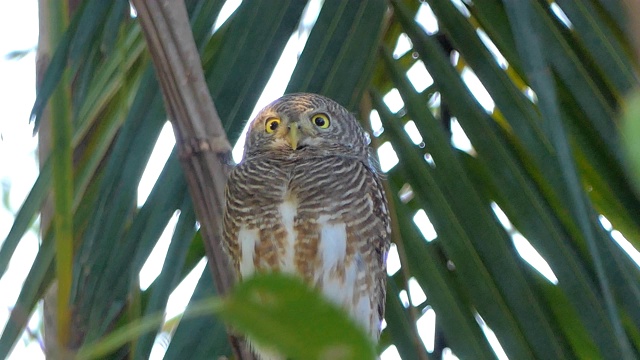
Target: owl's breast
[[311, 218]]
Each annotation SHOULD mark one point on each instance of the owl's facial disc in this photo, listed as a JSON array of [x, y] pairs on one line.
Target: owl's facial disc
[[305, 130], [296, 130]]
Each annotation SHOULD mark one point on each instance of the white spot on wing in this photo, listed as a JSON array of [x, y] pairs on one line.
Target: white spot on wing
[[247, 239]]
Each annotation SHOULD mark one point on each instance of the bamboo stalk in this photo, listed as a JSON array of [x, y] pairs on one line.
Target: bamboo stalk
[[204, 148], [55, 139]]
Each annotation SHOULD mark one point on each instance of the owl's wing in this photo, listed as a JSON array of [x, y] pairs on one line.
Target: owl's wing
[[382, 241], [251, 213], [234, 212]]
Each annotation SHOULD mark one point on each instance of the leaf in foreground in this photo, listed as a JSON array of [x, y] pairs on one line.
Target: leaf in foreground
[[283, 312], [272, 309]]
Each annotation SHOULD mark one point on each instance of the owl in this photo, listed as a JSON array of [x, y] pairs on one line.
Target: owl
[[307, 199]]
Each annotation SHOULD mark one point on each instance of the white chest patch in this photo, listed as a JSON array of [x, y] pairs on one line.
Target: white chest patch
[[288, 210], [333, 245], [342, 290], [333, 248], [247, 239]]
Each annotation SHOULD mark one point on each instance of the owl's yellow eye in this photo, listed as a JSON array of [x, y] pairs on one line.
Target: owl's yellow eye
[[321, 120], [271, 125]]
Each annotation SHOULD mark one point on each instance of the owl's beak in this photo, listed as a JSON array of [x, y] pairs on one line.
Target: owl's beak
[[293, 136]]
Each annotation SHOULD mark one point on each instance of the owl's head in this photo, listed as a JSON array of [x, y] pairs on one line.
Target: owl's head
[[305, 125]]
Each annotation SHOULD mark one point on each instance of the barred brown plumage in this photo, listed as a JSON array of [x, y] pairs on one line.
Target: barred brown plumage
[[307, 200]]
